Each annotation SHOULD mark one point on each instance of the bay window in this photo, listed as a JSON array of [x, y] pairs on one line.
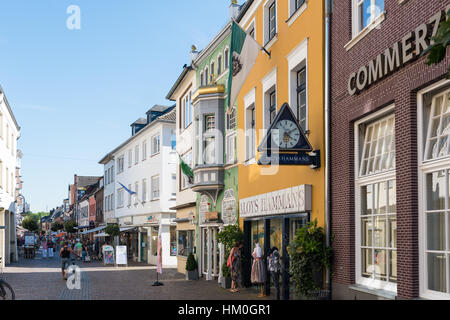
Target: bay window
[[209, 140], [376, 199]]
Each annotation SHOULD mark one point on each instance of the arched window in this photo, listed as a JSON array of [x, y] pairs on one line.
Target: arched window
[[219, 65], [226, 58], [229, 216], [206, 76]]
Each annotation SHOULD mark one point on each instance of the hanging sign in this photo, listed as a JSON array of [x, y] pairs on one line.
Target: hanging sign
[[286, 143]]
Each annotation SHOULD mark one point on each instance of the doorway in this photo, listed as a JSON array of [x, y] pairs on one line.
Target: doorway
[[210, 256]]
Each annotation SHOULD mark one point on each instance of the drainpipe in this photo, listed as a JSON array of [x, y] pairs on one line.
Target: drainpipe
[[328, 11]]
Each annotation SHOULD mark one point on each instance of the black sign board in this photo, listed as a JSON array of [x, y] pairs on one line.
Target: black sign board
[[286, 143]]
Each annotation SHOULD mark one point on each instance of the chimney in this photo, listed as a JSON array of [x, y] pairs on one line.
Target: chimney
[[194, 53], [234, 9]]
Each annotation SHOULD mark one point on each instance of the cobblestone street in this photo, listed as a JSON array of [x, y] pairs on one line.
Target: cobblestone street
[[41, 279]]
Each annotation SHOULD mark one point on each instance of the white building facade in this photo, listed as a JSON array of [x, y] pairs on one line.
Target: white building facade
[[9, 134], [146, 164]]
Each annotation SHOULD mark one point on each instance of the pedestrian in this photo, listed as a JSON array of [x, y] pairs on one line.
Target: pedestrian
[[50, 249], [234, 263], [44, 249], [65, 254], [274, 267], [258, 275], [78, 248]]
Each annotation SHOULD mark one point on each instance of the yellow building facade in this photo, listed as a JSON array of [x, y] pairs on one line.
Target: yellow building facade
[[275, 201]]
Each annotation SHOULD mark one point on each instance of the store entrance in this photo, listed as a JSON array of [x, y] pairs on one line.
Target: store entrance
[[210, 255]]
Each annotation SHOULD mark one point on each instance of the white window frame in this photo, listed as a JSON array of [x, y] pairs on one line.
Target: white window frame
[[144, 190], [129, 195], [130, 158], [230, 153], [357, 34], [359, 183], [425, 167], [269, 84], [136, 187], [120, 199], [294, 12], [226, 62], [155, 152], [136, 154], [144, 150], [219, 64], [153, 190], [249, 103], [297, 59], [266, 24]]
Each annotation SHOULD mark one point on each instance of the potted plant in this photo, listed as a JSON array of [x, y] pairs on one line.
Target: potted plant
[[191, 268], [309, 258], [228, 237], [226, 277]]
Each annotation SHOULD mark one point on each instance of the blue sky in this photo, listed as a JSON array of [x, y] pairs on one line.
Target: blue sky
[[75, 92]]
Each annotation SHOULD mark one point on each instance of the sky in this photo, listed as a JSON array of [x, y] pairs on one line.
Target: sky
[[75, 92]]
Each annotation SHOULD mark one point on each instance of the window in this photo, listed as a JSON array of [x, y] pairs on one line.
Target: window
[[12, 144], [231, 148], [213, 74], [6, 182], [1, 125], [7, 136], [250, 133], [376, 225], [136, 189], [365, 12], [379, 147], [155, 188], [1, 174], [209, 139], [272, 106], [155, 145], [174, 185], [120, 198], [173, 241], [144, 190], [184, 181], [437, 143], [186, 102], [202, 79], [129, 195], [106, 177], [120, 164], [112, 174], [206, 76], [270, 21], [173, 140], [231, 119], [186, 242], [226, 58], [434, 202], [219, 65], [144, 150], [130, 158], [301, 98], [136, 155]]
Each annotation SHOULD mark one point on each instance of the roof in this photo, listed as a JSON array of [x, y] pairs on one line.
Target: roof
[[140, 121], [170, 117], [158, 108], [180, 79], [243, 10]]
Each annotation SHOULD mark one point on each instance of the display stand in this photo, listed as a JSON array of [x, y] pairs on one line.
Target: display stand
[[121, 256]]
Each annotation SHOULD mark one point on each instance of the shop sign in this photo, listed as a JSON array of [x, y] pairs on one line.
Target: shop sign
[[409, 48], [121, 255], [153, 219], [212, 216], [292, 200], [286, 143], [128, 221]]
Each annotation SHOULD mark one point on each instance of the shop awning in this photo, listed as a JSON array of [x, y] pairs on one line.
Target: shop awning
[[59, 235], [103, 234], [93, 230], [83, 227]]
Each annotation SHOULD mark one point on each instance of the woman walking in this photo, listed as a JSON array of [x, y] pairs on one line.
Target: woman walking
[[234, 263], [258, 275]]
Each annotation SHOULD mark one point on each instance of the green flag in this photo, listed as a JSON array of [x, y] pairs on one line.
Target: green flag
[[187, 171], [244, 51]]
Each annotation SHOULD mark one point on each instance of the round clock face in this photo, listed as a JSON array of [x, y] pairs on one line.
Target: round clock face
[[285, 134]]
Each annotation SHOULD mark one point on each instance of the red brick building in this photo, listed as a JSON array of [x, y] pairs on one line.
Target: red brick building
[[389, 140]]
